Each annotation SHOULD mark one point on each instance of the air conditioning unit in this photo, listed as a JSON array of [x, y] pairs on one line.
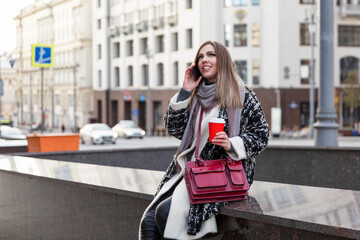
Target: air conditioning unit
[[172, 20]]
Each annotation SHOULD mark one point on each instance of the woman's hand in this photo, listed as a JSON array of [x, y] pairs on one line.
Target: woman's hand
[[222, 139], [189, 82]]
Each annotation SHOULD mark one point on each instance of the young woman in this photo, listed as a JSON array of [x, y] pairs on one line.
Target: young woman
[[220, 92]]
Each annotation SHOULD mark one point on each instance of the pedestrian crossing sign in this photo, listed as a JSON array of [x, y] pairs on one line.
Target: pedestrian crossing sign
[[42, 55]]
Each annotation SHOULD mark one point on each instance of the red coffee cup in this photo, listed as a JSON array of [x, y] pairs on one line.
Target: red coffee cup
[[215, 125]]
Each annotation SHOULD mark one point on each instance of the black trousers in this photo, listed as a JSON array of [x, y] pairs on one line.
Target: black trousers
[[153, 224]]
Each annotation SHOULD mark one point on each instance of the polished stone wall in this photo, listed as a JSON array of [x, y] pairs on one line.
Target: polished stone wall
[[47, 199], [38, 208]]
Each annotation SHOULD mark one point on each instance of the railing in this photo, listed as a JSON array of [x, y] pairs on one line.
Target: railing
[[349, 10]]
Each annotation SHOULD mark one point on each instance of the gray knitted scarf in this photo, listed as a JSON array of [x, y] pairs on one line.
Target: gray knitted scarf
[[205, 98]]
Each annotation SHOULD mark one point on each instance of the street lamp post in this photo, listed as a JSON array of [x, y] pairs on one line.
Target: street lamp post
[[42, 101], [75, 122], [312, 30], [31, 104], [326, 127], [148, 100]]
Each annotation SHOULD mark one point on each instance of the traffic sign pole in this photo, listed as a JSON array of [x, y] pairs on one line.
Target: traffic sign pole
[[42, 100], [42, 56]]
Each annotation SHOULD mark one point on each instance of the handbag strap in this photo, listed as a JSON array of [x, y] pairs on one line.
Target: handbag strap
[[198, 136]]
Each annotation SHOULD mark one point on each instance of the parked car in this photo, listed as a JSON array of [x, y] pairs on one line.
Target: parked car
[[128, 129], [11, 133], [97, 133]]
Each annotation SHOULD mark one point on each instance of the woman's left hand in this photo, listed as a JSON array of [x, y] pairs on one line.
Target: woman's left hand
[[222, 139]]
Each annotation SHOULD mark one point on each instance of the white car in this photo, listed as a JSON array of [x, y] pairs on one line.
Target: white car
[[128, 129], [11, 133], [97, 133]]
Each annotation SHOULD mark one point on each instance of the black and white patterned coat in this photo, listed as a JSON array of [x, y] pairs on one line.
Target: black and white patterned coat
[[254, 133]]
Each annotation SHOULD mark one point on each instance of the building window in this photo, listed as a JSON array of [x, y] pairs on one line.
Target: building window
[[70, 100], [188, 4], [99, 51], [175, 43], [227, 34], [117, 76], [349, 70], [256, 72], [158, 115], [189, 42], [25, 100], [145, 74], [116, 50], [349, 35], [240, 35], [176, 73], [304, 34], [143, 45], [130, 47], [241, 69], [307, 1], [57, 100], [305, 71], [240, 3], [160, 43], [255, 2], [99, 79], [130, 76], [160, 74], [99, 23], [255, 41]]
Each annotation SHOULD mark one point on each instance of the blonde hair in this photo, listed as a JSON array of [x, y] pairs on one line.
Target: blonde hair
[[227, 90]]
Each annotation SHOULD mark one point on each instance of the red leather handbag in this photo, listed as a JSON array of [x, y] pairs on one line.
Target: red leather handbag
[[219, 180]]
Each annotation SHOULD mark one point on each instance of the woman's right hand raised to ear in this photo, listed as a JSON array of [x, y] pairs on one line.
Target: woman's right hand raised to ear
[[189, 82]]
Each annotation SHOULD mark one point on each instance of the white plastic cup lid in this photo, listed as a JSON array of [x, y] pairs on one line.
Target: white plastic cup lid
[[216, 120]]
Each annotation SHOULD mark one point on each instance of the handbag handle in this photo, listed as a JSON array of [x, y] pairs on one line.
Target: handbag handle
[[199, 160]]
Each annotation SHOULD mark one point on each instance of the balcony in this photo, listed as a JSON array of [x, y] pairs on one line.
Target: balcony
[[172, 20], [127, 29], [349, 10], [114, 31], [157, 23], [142, 26]]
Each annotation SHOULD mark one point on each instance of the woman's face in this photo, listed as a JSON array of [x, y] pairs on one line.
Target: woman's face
[[207, 63]]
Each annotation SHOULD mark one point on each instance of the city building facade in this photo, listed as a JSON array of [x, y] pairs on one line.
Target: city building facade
[[67, 86], [136, 42], [127, 53], [7, 93]]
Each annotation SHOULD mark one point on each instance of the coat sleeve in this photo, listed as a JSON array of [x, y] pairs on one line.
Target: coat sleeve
[[176, 117], [254, 128]]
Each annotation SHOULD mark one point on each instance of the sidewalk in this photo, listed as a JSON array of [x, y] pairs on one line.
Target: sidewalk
[[171, 141], [342, 142]]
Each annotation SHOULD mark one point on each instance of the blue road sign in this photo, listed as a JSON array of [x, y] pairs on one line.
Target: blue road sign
[[42, 55]]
